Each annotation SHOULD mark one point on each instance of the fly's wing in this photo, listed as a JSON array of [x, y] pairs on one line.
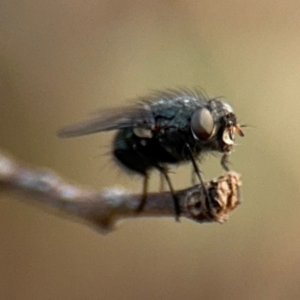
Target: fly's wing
[[111, 119]]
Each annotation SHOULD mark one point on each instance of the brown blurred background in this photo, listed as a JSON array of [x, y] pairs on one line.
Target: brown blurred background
[[60, 60]]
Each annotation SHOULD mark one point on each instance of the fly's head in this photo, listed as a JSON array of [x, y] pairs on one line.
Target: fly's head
[[215, 125]]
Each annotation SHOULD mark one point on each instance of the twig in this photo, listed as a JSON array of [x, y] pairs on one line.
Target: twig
[[102, 209]]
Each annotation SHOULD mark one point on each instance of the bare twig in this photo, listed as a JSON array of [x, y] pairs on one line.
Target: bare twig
[[104, 208]]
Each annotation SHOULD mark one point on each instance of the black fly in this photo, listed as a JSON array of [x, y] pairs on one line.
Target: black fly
[[164, 128]]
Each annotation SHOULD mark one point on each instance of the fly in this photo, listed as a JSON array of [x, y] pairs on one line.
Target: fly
[[165, 128]]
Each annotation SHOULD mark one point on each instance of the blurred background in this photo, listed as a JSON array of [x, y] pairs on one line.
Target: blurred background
[[61, 60]]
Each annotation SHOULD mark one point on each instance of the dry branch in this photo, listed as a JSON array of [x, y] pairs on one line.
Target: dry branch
[[102, 209]]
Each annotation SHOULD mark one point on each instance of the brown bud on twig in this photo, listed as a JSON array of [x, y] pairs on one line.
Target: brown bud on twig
[[102, 209]]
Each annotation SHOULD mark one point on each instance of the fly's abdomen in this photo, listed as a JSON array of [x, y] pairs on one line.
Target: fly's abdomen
[[126, 153], [141, 154]]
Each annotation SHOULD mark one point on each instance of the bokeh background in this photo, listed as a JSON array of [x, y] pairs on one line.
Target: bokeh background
[[60, 60]]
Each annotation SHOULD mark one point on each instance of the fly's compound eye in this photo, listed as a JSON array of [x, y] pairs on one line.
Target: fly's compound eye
[[202, 124]]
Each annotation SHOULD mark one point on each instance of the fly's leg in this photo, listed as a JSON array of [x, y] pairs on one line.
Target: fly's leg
[[197, 171], [165, 174], [193, 176], [144, 195], [161, 182], [225, 162]]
